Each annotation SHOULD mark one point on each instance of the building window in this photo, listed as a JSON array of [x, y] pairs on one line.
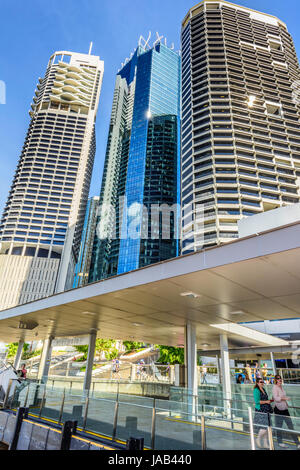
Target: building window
[[17, 250], [273, 109], [30, 251]]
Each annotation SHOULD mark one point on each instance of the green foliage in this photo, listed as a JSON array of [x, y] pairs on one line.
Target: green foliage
[[82, 349], [132, 345], [171, 355], [106, 345], [83, 368], [26, 354], [112, 354], [81, 358], [29, 355], [12, 350]]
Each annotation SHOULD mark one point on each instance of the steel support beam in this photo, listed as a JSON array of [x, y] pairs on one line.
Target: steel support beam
[[252, 350], [90, 360], [45, 359], [190, 360], [19, 355], [273, 363], [226, 379]]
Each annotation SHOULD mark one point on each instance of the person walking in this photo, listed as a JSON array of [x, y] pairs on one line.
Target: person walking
[[247, 380], [264, 373], [23, 371], [281, 412], [115, 368], [240, 379], [204, 372], [249, 372], [257, 372], [263, 410]]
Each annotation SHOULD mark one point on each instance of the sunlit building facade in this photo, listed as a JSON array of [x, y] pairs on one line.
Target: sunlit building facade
[[240, 120], [142, 165], [43, 219]]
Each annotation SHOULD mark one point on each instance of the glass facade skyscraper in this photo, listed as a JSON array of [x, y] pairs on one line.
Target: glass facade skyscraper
[[142, 162]]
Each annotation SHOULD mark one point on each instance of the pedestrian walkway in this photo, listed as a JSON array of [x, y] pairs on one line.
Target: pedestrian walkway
[[164, 424]]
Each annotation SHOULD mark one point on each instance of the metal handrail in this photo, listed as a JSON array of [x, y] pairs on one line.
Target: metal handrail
[[183, 414], [120, 395], [203, 434], [226, 399], [153, 423], [251, 428]]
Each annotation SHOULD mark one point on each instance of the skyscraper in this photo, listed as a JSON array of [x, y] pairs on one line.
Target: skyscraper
[[43, 218], [142, 165], [240, 120]]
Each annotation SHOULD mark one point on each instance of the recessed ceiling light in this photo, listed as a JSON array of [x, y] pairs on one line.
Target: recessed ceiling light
[[205, 345], [89, 313], [191, 295], [237, 312], [137, 324]]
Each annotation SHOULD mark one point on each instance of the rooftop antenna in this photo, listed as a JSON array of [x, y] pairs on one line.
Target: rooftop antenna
[[91, 47], [158, 39], [146, 42]]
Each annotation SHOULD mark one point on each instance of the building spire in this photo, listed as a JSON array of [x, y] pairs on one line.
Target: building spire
[[91, 47]]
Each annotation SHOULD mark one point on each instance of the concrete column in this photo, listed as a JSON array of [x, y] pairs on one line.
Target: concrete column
[[226, 379], [190, 356], [90, 361], [19, 355], [273, 363], [177, 375], [172, 375], [45, 359], [133, 372], [219, 369], [191, 372]]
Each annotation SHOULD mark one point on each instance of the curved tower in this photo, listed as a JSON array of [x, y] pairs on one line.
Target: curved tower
[[240, 121]]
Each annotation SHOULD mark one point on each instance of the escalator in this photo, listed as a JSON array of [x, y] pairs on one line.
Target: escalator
[[9, 379]]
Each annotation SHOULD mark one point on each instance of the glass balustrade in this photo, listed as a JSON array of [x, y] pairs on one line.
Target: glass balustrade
[[206, 421]]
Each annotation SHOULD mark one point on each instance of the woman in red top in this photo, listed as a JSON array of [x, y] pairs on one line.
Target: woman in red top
[[23, 372]]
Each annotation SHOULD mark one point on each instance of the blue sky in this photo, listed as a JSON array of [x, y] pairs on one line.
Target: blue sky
[[32, 30]]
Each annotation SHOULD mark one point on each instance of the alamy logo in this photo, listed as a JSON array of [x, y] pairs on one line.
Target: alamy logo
[[2, 92]]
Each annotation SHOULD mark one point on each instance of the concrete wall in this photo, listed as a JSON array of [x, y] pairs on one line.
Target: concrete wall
[[24, 279], [144, 389]]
